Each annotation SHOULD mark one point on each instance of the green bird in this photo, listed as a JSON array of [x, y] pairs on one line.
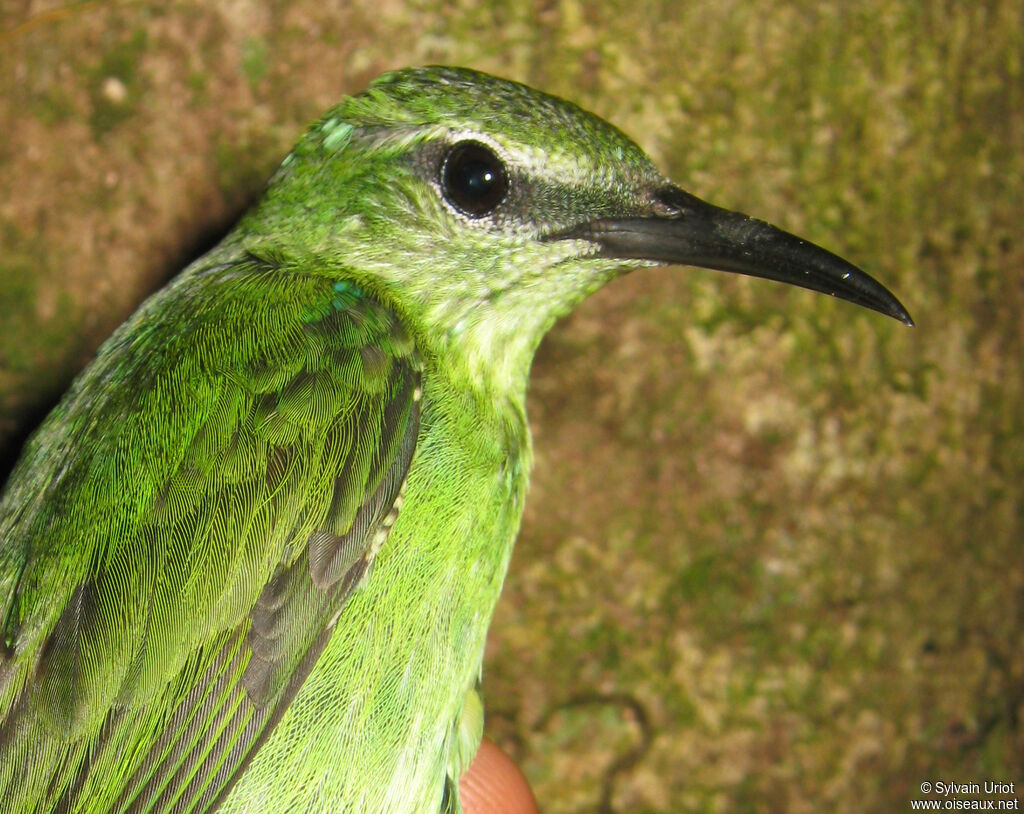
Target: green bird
[[249, 561]]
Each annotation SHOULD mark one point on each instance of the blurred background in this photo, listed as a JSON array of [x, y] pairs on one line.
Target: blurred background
[[773, 555]]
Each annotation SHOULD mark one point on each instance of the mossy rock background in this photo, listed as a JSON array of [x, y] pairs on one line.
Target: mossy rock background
[[772, 557]]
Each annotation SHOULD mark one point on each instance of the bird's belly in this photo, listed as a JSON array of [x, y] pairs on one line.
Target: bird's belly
[[371, 730]]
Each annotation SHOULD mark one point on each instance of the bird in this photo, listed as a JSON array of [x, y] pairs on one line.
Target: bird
[[249, 561]]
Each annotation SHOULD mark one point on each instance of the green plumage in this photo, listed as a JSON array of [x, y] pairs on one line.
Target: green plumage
[[248, 563]]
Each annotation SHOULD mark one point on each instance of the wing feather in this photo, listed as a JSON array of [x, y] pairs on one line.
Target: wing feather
[[238, 495]]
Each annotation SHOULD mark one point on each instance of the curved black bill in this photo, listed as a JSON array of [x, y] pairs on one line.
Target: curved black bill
[[686, 230]]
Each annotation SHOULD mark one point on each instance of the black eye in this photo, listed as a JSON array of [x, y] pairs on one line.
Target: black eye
[[473, 179]]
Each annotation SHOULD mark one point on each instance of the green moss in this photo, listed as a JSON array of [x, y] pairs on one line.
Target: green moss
[[254, 60], [52, 106], [198, 84], [37, 354], [242, 167]]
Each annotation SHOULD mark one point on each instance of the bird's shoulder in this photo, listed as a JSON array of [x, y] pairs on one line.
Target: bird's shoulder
[[211, 490]]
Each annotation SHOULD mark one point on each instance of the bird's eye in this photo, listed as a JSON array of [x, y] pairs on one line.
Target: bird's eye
[[473, 179]]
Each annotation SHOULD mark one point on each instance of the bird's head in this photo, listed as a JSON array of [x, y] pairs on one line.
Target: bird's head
[[484, 210]]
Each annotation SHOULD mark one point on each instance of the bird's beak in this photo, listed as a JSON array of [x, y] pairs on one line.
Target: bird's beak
[[682, 229]]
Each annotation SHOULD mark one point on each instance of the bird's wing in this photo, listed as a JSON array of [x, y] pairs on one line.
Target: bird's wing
[[180, 538]]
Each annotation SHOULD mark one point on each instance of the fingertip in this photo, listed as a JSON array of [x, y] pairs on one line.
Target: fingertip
[[493, 784]]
